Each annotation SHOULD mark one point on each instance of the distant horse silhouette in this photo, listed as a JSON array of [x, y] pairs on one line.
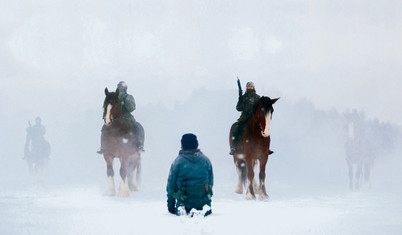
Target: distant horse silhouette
[[36, 152], [118, 141], [359, 156], [254, 148]]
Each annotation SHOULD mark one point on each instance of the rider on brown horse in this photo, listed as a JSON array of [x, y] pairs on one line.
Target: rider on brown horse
[[246, 105], [128, 105]]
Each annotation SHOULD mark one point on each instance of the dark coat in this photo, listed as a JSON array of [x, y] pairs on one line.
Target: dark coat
[[127, 105], [246, 105], [190, 181]]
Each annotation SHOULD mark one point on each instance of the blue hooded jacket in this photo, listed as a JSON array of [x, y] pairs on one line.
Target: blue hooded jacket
[[189, 169]]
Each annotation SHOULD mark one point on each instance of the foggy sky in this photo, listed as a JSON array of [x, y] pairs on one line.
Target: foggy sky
[[340, 55]]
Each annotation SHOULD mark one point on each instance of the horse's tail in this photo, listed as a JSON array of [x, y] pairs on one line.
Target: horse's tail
[[138, 173]]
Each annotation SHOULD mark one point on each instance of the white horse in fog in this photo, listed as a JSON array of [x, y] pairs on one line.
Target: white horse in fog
[[359, 156]]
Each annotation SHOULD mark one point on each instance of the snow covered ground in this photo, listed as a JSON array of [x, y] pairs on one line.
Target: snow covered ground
[[65, 204], [83, 210]]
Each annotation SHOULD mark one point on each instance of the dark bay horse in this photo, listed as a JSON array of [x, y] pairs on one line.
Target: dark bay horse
[[118, 141], [254, 148], [36, 153]]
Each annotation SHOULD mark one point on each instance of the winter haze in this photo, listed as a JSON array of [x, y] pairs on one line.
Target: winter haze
[[329, 61]]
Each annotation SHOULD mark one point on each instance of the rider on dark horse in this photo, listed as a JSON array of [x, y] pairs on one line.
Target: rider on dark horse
[[127, 106], [35, 140], [37, 131], [246, 105]]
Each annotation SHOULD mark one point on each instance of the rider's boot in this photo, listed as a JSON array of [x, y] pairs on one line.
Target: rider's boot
[[232, 151], [233, 148], [270, 152], [139, 143], [141, 148]]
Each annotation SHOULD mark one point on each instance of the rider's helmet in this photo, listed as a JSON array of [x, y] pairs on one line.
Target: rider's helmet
[[122, 86], [250, 85], [38, 120]]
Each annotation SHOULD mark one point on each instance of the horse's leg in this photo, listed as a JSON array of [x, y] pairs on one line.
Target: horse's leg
[[350, 170], [255, 184], [263, 193], [250, 175], [111, 191], [42, 170], [133, 174], [367, 173], [238, 164], [359, 169], [130, 170], [124, 190], [30, 166], [133, 185]]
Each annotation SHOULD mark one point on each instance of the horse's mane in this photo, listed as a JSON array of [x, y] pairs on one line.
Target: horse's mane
[[265, 102]]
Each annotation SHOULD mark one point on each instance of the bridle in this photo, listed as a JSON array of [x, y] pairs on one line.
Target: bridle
[[256, 120], [112, 103], [261, 110]]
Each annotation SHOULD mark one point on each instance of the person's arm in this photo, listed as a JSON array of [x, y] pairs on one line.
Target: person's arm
[[171, 188], [129, 103], [211, 174], [240, 104]]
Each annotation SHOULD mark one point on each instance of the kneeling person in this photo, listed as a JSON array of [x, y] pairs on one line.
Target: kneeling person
[[190, 181]]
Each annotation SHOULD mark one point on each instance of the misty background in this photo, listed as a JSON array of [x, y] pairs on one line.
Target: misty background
[[180, 60]]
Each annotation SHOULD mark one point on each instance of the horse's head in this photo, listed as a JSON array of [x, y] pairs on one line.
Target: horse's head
[[263, 114], [111, 106]]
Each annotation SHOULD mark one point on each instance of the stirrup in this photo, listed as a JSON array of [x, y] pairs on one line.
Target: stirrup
[[270, 152]]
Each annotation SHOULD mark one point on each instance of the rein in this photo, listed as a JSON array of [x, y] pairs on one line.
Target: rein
[[111, 119], [256, 121]]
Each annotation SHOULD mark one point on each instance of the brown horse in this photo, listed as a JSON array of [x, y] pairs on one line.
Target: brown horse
[[118, 141], [254, 148]]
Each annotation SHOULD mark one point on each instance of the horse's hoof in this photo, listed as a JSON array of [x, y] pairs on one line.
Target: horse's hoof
[[124, 193], [263, 197], [239, 191], [110, 193], [134, 189], [250, 197]]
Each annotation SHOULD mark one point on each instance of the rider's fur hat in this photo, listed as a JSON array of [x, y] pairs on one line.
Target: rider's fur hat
[[189, 141], [250, 84], [122, 86]]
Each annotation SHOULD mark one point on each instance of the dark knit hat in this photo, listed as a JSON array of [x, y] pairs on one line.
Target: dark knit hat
[[189, 141]]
